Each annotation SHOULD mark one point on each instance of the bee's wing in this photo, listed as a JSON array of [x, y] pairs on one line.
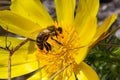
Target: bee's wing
[[34, 34]]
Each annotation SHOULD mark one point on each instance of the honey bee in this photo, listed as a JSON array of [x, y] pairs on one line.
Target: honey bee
[[43, 36]]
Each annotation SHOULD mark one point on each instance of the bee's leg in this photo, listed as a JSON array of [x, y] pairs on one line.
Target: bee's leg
[[46, 37], [40, 45], [47, 46], [56, 41], [56, 34]]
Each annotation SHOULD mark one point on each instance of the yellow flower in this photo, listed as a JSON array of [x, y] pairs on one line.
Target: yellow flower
[[68, 49]]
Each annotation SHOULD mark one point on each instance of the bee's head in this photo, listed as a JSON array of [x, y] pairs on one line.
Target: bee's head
[[59, 30]]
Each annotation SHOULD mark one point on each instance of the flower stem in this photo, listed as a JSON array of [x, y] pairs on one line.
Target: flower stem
[[9, 67]]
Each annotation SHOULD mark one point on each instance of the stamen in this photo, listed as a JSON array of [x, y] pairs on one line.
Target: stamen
[[58, 72]]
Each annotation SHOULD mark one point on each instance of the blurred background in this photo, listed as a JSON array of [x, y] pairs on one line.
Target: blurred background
[[105, 56]]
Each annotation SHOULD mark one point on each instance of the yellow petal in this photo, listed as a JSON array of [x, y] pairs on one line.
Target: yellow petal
[[72, 77], [18, 70], [36, 76], [85, 72], [21, 53], [105, 26], [88, 32], [17, 24], [32, 10], [23, 60], [65, 11], [4, 57], [80, 56], [67, 74], [9, 41], [87, 9]]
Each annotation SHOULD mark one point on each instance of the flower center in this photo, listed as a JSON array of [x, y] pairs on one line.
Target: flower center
[[63, 47], [55, 40]]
